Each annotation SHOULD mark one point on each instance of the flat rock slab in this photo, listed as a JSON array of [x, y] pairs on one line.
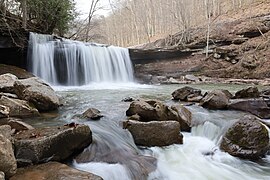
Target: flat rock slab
[[154, 133], [53, 171], [50, 144]]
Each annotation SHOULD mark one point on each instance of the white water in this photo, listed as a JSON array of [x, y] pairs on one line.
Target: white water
[[66, 62]]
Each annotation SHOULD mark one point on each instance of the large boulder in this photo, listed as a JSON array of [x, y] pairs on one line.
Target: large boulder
[[154, 133], [248, 138], [215, 99], [258, 107], [250, 92], [39, 93], [185, 117], [92, 113], [185, 92], [152, 110], [7, 83], [8, 163], [53, 143], [18, 108], [20, 73], [52, 171]]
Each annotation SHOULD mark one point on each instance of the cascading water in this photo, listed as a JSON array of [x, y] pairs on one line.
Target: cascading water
[[67, 62]]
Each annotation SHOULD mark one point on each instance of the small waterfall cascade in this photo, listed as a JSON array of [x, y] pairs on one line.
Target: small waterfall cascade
[[73, 63]]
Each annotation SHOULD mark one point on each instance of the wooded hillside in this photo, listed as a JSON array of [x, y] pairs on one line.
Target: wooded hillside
[[134, 22]]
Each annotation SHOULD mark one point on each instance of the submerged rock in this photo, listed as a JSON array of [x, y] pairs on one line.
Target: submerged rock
[[258, 107], [154, 133], [18, 108], [248, 138], [53, 171], [50, 144], [35, 91], [8, 163], [7, 83], [216, 99], [250, 92], [185, 92], [92, 113]]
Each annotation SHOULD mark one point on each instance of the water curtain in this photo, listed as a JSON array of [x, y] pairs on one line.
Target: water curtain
[[73, 63]]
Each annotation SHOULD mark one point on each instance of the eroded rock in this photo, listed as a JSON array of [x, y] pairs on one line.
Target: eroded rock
[[250, 92], [8, 163], [215, 100], [18, 108], [92, 113], [7, 83], [248, 138], [154, 133], [53, 171], [258, 107], [183, 93], [51, 144], [152, 110], [185, 117], [35, 91]]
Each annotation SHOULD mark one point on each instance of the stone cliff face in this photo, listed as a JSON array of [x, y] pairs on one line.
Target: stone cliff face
[[239, 46], [13, 50]]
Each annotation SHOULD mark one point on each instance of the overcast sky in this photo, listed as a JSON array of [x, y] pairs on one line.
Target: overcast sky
[[83, 7]]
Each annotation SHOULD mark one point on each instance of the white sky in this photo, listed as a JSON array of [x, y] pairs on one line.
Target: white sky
[[83, 7]]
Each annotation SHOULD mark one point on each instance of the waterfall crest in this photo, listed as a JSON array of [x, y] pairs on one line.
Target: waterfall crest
[[73, 63]]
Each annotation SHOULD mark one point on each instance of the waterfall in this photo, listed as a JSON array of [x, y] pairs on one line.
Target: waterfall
[[67, 62]]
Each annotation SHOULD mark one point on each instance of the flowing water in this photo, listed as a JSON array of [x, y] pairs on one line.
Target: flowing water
[[107, 77], [67, 62], [114, 156]]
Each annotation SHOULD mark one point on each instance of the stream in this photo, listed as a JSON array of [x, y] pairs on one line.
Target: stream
[[114, 156]]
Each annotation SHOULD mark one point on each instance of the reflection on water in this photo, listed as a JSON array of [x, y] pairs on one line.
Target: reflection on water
[[113, 154]]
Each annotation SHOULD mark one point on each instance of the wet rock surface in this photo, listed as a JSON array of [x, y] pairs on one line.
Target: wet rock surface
[[50, 144], [154, 133], [247, 138], [53, 171], [92, 113]]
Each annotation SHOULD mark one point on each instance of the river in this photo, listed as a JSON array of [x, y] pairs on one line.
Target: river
[[114, 156]]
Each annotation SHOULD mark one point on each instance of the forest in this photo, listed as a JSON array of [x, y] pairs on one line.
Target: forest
[[128, 23]]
